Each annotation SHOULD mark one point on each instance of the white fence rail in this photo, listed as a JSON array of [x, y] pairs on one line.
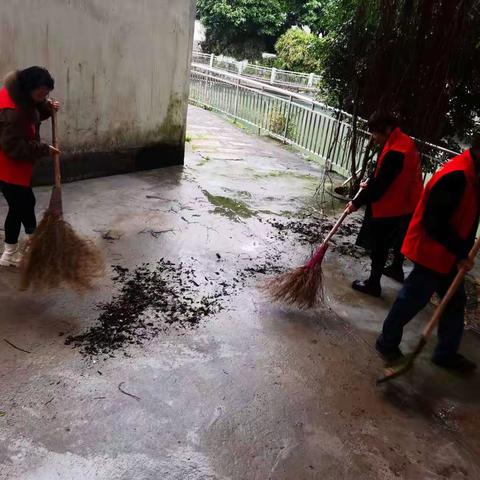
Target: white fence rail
[[293, 118], [283, 78]]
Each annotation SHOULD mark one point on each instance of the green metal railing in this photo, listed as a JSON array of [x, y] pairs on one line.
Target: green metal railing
[[295, 119]]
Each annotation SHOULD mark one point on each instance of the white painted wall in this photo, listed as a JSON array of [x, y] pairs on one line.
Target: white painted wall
[[121, 66]]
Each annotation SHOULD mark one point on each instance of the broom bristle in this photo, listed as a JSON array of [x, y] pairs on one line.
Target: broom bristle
[[57, 257], [302, 287]]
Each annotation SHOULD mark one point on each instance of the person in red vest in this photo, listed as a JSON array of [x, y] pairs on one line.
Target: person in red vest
[[391, 196], [438, 240], [23, 105]]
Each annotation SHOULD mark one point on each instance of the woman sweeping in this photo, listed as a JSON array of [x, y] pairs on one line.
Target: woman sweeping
[[24, 105]]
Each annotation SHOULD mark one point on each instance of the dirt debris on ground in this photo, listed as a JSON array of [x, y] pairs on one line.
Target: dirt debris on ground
[[311, 231], [268, 264], [472, 317], [151, 298], [154, 298]]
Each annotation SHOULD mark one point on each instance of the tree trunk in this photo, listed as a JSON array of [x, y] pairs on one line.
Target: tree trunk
[[353, 145]]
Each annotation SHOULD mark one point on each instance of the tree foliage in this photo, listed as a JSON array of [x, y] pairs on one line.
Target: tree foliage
[[247, 28], [308, 13], [416, 57], [242, 28], [298, 50]]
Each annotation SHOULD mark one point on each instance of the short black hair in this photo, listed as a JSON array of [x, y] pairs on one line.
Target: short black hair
[[381, 120], [35, 77]]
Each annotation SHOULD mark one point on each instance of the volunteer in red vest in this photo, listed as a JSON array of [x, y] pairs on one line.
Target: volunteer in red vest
[[391, 196], [438, 241], [23, 105]]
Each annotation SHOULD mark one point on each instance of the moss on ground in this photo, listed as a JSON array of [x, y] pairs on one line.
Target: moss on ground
[[286, 174], [229, 207]]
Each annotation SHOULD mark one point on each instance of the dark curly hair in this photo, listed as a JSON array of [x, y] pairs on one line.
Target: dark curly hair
[[35, 77]]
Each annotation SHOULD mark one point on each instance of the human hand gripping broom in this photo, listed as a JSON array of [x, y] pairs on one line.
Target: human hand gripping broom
[[303, 286], [398, 370], [56, 256]]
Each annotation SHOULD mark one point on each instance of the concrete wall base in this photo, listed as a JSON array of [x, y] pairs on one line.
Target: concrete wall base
[[80, 166]]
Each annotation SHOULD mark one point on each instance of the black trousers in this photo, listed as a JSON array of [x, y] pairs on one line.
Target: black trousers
[[417, 290], [386, 234], [21, 211]]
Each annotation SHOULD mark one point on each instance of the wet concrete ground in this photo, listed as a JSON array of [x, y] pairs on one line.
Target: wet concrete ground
[[258, 391]]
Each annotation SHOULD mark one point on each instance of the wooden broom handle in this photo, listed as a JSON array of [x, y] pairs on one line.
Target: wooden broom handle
[[56, 157], [335, 228], [427, 331]]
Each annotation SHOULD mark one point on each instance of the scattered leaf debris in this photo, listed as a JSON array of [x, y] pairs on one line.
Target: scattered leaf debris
[[311, 231], [151, 299]]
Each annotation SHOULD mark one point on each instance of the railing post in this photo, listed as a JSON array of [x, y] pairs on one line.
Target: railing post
[[205, 90], [240, 68], [273, 76], [212, 58], [310, 80], [287, 119], [235, 107], [261, 108]]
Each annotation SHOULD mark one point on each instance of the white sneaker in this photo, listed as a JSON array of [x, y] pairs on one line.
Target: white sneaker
[[11, 257]]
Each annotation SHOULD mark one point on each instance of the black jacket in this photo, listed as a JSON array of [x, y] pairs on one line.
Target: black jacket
[[377, 186], [443, 201]]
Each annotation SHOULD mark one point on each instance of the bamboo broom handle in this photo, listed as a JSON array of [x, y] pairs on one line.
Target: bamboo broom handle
[[56, 157], [335, 228], [427, 331]]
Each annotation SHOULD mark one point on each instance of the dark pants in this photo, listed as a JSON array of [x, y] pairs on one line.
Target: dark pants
[[21, 211], [417, 290], [386, 234], [398, 258]]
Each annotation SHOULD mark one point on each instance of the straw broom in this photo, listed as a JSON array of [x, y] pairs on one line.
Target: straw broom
[[303, 286], [56, 256]]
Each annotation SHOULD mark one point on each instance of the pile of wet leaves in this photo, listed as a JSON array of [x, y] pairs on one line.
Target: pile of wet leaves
[[311, 231], [151, 299], [154, 298]]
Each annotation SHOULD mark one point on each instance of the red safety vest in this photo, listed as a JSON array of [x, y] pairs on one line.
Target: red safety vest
[[418, 246], [403, 195], [16, 172]]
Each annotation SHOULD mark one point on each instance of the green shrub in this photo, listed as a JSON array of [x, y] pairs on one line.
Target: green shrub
[[299, 51]]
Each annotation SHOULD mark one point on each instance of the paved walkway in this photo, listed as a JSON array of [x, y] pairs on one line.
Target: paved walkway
[[258, 391]]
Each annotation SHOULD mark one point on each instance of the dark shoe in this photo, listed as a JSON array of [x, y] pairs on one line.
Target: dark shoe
[[394, 273], [458, 363], [389, 355], [367, 287]]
